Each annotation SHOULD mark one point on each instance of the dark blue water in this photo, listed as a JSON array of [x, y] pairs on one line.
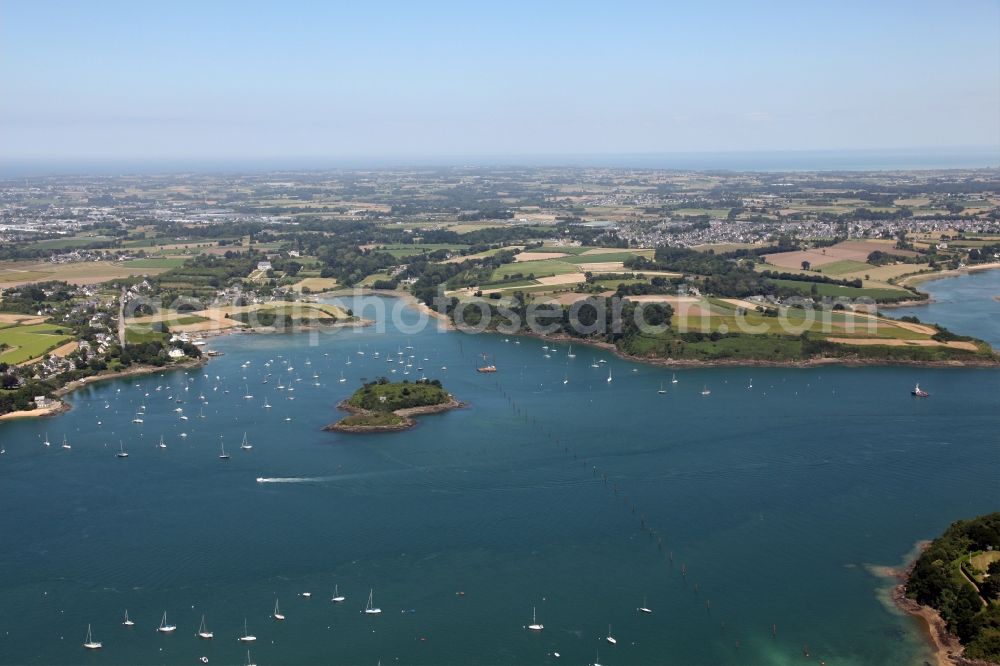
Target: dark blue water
[[745, 519]]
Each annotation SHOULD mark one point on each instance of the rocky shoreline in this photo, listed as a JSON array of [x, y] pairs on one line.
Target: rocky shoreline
[[946, 646], [405, 414]]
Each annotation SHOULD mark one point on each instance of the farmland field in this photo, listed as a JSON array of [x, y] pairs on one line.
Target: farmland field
[[25, 343]]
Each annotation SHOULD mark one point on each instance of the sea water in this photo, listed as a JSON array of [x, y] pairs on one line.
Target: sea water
[[746, 520]]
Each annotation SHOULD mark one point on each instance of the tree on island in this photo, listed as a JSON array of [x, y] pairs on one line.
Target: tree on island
[[806, 265]]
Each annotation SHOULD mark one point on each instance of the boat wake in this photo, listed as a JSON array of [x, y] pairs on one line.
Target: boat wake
[[294, 479]]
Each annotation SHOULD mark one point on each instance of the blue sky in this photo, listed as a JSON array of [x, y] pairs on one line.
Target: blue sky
[[178, 80]]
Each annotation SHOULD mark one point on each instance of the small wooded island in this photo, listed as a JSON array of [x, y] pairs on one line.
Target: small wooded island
[[384, 406]]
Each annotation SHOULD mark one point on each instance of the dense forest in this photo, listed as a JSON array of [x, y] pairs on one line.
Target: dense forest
[[966, 595]]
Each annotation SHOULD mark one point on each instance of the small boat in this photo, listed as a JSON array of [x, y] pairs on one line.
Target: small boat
[[662, 390], [267, 405], [307, 594], [246, 637], [534, 626], [65, 444], [122, 453], [277, 613], [137, 419], [644, 608], [918, 392], [610, 638], [337, 596], [90, 643], [705, 391], [223, 455], [342, 378], [128, 622], [609, 375], [570, 353], [203, 631], [162, 444], [597, 659], [673, 380], [249, 660], [595, 364], [47, 442], [751, 384], [488, 368], [246, 446], [370, 608], [247, 395], [164, 627]]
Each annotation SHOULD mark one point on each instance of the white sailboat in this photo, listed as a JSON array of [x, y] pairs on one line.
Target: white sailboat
[[128, 622], [65, 443], [246, 445], [534, 626], [222, 446], [342, 378], [705, 391], [570, 353], [90, 643], [164, 627], [644, 608], [138, 418], [249, 660], [122, 453], [203, 631], [662, 390], [247, 395], [47, 442], [246, 637], [610, 637], [267, 405], [674, 379], [277, 613], [162, 444], [609, 375], [337, 596], [751, 384], [370, 609], [597, 659]]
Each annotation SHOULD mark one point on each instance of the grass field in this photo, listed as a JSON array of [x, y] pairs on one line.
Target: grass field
[[316, 284], [541, 268], [400, 251], [155, 262], [26, 343], [838, 291], [68, 243], [87, 272], [843, 266]]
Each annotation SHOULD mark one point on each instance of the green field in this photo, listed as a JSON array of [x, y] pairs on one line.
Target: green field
[[841, 267], [400, 251], [29, 342], [620, 255], [155, 262], [68, 243], [540, 268], [839, 291], [571, 249]]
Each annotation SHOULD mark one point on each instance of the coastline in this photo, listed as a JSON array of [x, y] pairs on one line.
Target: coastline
[[406, 414], [920, 278], [60, 406], [846, 361], [946, 649]]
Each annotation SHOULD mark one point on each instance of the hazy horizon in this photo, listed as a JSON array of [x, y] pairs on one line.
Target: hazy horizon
[[397, 82]]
